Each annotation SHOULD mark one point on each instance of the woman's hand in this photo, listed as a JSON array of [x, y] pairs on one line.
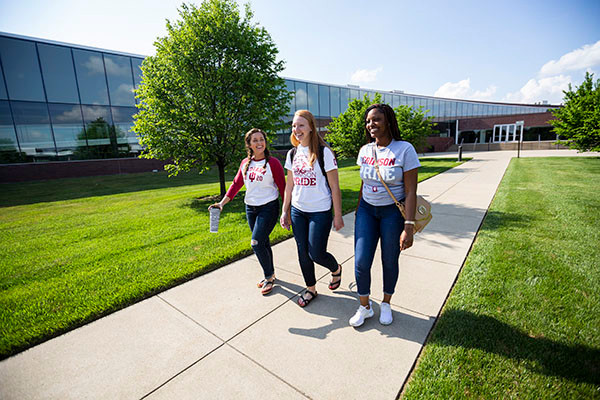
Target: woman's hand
[[285, 221], [406, 238], [216, 205], [338, 222]]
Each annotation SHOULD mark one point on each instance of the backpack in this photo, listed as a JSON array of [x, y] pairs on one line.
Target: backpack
[[320, 158]]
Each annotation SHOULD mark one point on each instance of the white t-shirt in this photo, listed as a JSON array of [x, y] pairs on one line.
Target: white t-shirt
[[310, 193], [260, 185], [393, 160]]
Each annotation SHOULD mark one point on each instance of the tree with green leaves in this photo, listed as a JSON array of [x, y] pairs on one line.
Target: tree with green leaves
[[347, 132], [414, 124], [579, 120], [213, 78]]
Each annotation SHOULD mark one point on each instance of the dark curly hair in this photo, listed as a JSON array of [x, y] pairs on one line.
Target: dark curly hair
[[390, 117], [251, 153]]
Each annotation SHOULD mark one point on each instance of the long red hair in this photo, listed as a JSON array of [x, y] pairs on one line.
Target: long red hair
[[315, 138]]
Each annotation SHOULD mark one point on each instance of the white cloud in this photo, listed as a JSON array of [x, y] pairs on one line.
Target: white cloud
[[462, 90], [365, 75], [535, 90], [585, 57]]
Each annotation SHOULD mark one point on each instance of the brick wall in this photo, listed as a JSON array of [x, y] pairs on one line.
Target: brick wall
[[74, 169]]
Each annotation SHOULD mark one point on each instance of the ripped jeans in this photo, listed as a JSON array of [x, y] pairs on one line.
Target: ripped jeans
[[262, 220]]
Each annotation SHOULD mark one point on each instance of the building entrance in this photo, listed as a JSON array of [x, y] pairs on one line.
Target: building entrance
[[508, 133]]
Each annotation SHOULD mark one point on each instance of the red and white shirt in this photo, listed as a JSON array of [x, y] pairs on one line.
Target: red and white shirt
[[262, 185], [311, 192]]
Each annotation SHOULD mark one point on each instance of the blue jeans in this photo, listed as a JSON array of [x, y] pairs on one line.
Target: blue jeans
[[262, 220], [311, 231], [374, 223]]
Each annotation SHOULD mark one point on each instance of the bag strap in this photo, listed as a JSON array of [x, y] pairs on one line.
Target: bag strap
[[321, 159], [398, 204]]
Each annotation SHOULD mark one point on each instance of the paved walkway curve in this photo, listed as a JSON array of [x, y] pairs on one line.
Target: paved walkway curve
[[216, 337]]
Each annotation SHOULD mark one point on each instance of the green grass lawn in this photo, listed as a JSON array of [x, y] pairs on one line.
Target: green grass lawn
[[523, 319], [73, 250]]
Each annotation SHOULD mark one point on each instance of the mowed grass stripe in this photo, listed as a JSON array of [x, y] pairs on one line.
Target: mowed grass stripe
[[523, 319]]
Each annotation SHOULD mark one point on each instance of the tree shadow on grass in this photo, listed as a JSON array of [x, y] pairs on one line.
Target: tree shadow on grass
[[460, 328]]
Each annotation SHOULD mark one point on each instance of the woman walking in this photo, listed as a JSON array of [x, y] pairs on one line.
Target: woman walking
[[264, 179], [377, 217], [312, 188]]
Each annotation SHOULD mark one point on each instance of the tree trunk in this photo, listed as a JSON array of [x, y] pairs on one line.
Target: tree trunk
[[221, 167]]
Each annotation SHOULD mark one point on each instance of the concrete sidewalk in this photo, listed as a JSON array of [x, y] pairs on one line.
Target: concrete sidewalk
[[216, 337]]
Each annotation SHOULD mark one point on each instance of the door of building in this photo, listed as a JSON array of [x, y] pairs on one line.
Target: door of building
[[508, 133]]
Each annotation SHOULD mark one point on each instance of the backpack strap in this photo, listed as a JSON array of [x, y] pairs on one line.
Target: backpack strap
[[321, 158]]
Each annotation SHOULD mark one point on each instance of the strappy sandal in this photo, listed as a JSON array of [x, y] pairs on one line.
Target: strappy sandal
[[305, 302], [262, 283], [335, 285], [267, 287]]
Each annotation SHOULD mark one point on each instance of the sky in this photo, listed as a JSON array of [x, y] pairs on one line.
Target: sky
[[524, 51]]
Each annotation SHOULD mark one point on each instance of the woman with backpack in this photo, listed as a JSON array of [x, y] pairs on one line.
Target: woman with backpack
[[311, 190]]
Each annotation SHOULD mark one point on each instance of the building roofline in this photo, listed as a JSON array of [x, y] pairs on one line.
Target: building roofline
[[348, 86], [82, 47], [76, 46]]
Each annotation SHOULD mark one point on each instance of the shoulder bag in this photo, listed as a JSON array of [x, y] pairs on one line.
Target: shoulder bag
[[423, 209]]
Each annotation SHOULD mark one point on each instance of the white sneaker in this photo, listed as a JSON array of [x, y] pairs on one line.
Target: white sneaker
[[361, 314], [385, 315]]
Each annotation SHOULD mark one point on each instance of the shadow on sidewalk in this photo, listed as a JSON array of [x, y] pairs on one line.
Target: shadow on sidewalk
[[341, 305], [458, 328]]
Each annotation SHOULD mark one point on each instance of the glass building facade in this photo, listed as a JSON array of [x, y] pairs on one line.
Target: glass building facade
[[61, 102], [66, 102]]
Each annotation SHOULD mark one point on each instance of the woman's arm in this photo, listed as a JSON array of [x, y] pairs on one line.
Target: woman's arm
[[336, 197], [278, 175], [285, 219], [410, 205], [235, 187]]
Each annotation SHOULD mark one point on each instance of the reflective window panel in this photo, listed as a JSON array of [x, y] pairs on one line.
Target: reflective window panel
[[301, 96], [3, 94], [354, 94], [435, 108], [335, 101], [136, 64], [127, 142], [59, 74], [289, 85], [69, 134], [90, 76], [99, 132], [120, 80], [344, 99], [324, 109], [21, 70], [33, 130], [9, 149], [313, 99]]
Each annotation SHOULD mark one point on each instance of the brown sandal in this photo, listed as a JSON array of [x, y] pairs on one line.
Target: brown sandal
[[262, 283], [267, 287]]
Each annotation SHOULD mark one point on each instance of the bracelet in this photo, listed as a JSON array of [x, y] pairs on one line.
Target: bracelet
[[409, 222]]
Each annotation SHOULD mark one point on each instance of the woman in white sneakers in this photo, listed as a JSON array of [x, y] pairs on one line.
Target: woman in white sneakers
[[264, 179], [312, 188], [377, 217]]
